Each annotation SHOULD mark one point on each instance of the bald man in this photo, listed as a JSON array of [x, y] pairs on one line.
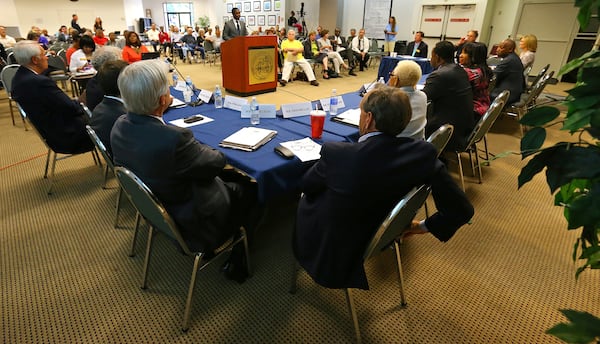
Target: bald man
[[509, 72]]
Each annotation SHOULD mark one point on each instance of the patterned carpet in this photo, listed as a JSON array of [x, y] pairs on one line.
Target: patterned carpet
[[65, 275]]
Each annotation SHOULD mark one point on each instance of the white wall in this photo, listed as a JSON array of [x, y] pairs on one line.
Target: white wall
[[8, 15], [503, 20]]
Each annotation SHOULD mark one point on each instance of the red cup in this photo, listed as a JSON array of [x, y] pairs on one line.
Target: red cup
[[317, 120]]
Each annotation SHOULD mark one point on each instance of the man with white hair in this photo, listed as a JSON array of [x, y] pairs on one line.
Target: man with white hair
[[184, 174], [59, 119], [292, 51]]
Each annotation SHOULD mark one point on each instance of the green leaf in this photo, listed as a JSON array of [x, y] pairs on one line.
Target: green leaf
[[535, 165], [577, 120], [584, 210], [540, 116], [583, 103], [532, 141], [571, 162], [584, 15], [576, 63], [582, 328]]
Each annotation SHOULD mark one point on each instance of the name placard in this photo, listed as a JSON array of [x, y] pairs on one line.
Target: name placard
[[205, 95], [234, 103], [180, 85], [296, 109], [264, 110], [325, 103]]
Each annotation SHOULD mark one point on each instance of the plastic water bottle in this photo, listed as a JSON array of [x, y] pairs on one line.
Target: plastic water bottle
[[218, 98], [333, 103], [189, 83], [381, 80], [187, 94], [254, 113], [175, 79]]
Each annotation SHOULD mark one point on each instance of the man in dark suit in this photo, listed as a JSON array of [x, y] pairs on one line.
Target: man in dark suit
[[183, 173], [59, 120], [75, 25], [450, 93], [111, 107], [234, 27], [351, 189], [417, 48], [341, 46], [509, 72]]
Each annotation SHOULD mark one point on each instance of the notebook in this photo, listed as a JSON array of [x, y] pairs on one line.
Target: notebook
[[248, 138], [349, 117]]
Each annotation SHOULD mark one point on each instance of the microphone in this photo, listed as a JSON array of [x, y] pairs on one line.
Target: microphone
[[173, 68], [364, 90], [198, 101]]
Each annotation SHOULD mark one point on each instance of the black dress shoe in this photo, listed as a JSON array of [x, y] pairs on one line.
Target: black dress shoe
[[235, 272], [351, 72]]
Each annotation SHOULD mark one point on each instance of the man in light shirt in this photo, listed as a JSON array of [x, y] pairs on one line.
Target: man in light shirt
[[153, 36], [6, 40], [360, 47]]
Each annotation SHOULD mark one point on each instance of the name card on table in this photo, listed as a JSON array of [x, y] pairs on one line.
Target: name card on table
[[296, 109], [234, 103], [205, 95], [264, 110], [325, 103], [180, 85]]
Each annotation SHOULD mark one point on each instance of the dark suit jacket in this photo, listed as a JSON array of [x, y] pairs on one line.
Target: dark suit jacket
[[181, 172], [509, 76], [449, 90], [93, 93], [59, 119], [103, 118], [230, 31], [351, 189], [422, 49]]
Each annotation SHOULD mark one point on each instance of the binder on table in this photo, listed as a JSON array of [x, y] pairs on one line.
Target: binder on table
[[248, 138]]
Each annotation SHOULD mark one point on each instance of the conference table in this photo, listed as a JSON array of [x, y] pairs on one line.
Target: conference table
[[275, 175], [388, 64]]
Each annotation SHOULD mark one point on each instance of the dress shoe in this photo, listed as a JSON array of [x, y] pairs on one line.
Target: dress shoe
[[235, 272], [314, 83], [282, 83], [351, 72]]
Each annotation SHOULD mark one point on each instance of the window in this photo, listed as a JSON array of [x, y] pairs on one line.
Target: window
[[178, 14]]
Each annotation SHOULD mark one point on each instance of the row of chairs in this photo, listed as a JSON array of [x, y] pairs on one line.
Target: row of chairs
[[211, 54]]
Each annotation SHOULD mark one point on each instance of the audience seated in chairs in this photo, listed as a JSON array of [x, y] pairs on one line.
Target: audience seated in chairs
[[405, 76], [59, 119], [190, 178], [334, 221], [509, 73], [190, 45], [326, 47], [312, 51], [341, 46], [111, 107], [360, 47], [292, 51], [132, 52]]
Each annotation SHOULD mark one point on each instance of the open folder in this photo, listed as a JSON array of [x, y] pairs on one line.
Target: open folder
[[349, 117], [248, 138]]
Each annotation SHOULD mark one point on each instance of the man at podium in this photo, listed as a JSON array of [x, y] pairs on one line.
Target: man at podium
[[234, 27]]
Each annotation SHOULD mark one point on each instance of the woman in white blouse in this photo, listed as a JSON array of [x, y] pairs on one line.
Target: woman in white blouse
[[326, 47], [405, 76], [81, 58], [528, 46]]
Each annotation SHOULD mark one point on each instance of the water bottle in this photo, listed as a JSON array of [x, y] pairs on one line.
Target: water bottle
[[187, 94], [333, 103], [381, 80], [175, 78], [218, 98], [254, 113], [189, 83]]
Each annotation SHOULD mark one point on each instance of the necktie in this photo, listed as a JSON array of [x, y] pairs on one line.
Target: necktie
[[237, 24], [360, 45]]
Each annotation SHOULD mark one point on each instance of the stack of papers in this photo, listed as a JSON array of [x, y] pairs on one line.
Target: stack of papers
[[349, 117], [305, 149], [248, 138]]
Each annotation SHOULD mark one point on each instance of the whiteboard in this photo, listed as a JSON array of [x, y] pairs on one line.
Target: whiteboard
[[376, 16]]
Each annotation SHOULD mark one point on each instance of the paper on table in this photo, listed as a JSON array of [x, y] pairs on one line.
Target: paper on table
[[181, 123], [305, 149], [176, 103], [351, 117]]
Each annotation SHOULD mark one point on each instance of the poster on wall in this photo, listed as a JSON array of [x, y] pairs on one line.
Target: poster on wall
[[229, 7], [276, 5], [247, 6], [251, 21], [267, 5], [238, 5], [271, 20], [256, 6], [260, 20]]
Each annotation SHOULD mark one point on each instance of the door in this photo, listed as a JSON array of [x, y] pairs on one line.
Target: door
[[446, 22]]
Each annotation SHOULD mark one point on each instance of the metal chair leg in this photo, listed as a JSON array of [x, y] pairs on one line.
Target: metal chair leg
[[47, 162], [52, 173], [353, 315], [487, 154], [246, 251], [460, 171], [147, 259], [118, 210], [294, 279], [105, 176], [136, 230], [478, 163], [12, 114], [188, 302], [403, 302]]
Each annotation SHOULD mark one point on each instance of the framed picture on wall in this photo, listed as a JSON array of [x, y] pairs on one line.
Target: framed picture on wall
[[260, 20], [256, 6], [243, 18], [267, 5], [251, 20], [271, 20], [247, 6], [229, 7], [238, 5], [276, 5]]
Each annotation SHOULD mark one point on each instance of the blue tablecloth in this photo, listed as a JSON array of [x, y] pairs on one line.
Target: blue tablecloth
[[388, 64], [275, 175]]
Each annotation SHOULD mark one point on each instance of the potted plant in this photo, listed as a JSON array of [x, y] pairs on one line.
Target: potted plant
[[573, 170]]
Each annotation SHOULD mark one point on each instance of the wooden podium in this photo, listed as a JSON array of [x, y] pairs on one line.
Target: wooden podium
[[249, 65]]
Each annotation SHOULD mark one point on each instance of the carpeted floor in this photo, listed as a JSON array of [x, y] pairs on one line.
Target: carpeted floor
[[65, 276]]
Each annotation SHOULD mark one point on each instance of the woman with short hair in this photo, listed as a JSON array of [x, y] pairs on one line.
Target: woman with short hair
[[528, 46], [405, 76]]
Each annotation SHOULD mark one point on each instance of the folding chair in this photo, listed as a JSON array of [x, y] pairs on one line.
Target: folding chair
[[155, 214], [387, 234], [7, 74]]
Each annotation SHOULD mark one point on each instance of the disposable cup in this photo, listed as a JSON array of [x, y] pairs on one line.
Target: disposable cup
[[317, 120]]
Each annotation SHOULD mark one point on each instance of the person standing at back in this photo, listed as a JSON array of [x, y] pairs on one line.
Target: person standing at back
[[74, 23], [390, 35], [234, 27], [449, 91]]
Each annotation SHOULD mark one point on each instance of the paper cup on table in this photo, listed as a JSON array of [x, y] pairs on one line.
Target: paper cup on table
[[317, 120]]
